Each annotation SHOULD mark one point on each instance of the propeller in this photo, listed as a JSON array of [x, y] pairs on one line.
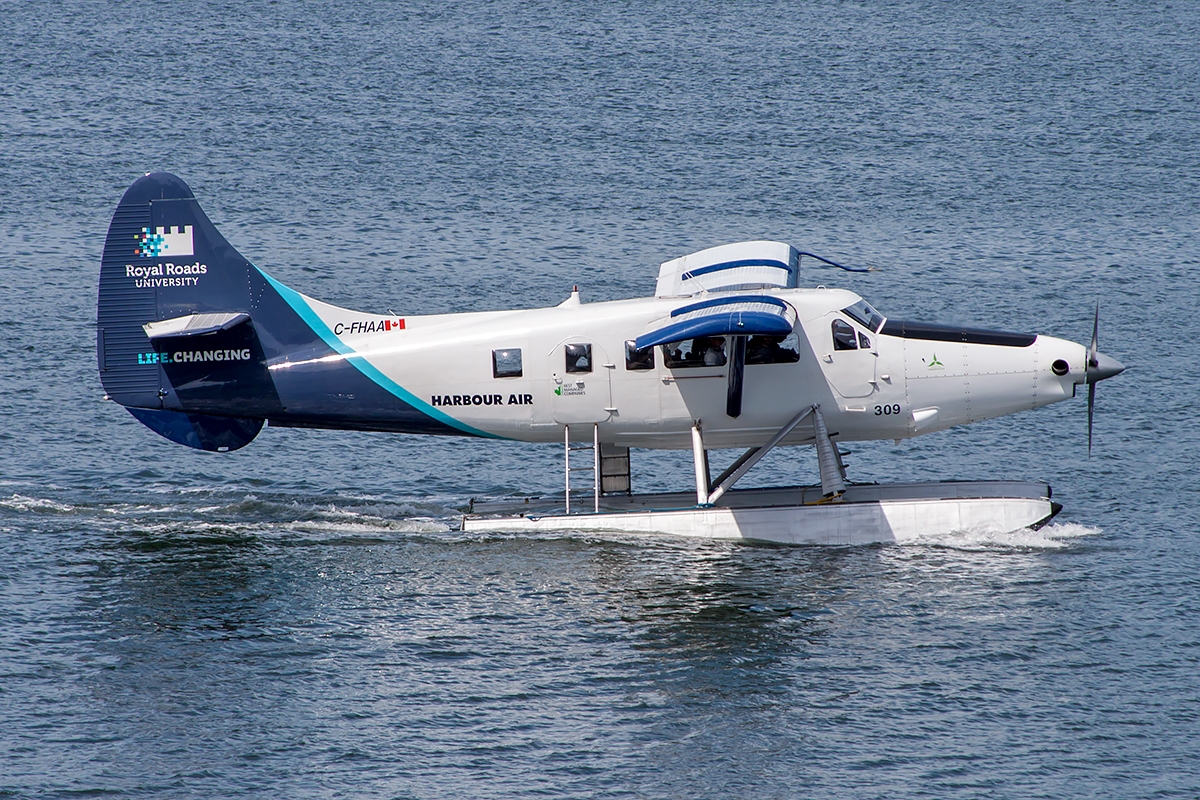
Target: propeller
[[1092, 363], [1099, 367]]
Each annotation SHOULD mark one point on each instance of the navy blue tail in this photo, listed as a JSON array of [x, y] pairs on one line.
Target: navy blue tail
[[164, 262], [188, 330]]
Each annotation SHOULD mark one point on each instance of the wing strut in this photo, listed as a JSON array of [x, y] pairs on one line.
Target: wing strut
[[737, 373]]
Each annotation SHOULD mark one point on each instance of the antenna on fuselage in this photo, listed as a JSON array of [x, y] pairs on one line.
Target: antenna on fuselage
[[573, 300], [824, 260]]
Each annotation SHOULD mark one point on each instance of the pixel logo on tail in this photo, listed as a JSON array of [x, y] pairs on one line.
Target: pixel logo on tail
[[164, 241]]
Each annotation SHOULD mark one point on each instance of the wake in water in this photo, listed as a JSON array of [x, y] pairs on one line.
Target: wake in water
[[24, 504], [204, 511], [1055, 536], [207, 512]]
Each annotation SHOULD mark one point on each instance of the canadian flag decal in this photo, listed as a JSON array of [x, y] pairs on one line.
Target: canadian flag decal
[[358, 327]]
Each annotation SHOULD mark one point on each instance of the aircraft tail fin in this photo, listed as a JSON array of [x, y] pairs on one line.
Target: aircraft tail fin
[[177, 324], [203, 347]]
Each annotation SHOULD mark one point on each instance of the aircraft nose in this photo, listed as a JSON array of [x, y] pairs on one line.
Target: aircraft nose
[[1105, 367]]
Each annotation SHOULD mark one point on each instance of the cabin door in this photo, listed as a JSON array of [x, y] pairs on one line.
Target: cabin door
[[582, 373], [846, 351]]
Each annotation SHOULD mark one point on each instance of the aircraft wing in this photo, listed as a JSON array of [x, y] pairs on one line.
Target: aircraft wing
[[746, 265], [741, 315]]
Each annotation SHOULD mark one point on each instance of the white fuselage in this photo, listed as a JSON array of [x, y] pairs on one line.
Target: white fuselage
[[889, 387]]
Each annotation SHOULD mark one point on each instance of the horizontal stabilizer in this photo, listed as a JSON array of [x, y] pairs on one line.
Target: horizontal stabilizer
[[740, 316], [194, 324]]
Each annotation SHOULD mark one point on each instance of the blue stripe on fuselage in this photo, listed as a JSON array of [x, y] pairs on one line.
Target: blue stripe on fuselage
[[297, 303]]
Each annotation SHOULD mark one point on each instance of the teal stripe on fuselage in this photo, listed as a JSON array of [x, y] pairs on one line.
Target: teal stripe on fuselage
[[302, 308]]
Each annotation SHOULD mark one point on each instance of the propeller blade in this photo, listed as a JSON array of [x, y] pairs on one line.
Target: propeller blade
[[1091, 408], [1097, 369], [1093, 361]]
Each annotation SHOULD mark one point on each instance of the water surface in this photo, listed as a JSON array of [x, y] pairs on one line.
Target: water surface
[[302, 618]]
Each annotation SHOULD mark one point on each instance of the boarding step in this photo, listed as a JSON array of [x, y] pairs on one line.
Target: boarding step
[[609, 466]]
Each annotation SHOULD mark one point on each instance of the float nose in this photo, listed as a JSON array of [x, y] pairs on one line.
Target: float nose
[[1104, 367]]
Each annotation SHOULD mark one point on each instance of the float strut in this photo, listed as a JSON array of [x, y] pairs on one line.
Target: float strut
[[832, 484], [701, 461], [596, 466]]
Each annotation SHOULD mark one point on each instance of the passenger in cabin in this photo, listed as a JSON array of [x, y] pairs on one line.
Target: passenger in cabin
[[713, 349], [691, 354], [703, 351], [772, 350], [761, 350]]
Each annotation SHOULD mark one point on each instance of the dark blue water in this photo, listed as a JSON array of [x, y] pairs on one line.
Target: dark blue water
[[301, 618]]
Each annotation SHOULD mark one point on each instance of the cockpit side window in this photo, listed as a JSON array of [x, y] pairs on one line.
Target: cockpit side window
[[862, 313], [773, 349], [703, 351], [844, 336], [579, 357]]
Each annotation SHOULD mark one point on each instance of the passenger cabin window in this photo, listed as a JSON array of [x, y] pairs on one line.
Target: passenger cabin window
[[773, 349], [579, 357], [703, 351], [844, 337], [638, 359], [506, 363]]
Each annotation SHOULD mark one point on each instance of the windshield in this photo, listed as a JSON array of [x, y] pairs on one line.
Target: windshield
[[862, 313]]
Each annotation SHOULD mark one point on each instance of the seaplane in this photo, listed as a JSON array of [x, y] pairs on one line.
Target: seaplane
[[731, 353]]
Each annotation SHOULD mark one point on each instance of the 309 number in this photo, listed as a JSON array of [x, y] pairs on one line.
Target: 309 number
[[881, 411]]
